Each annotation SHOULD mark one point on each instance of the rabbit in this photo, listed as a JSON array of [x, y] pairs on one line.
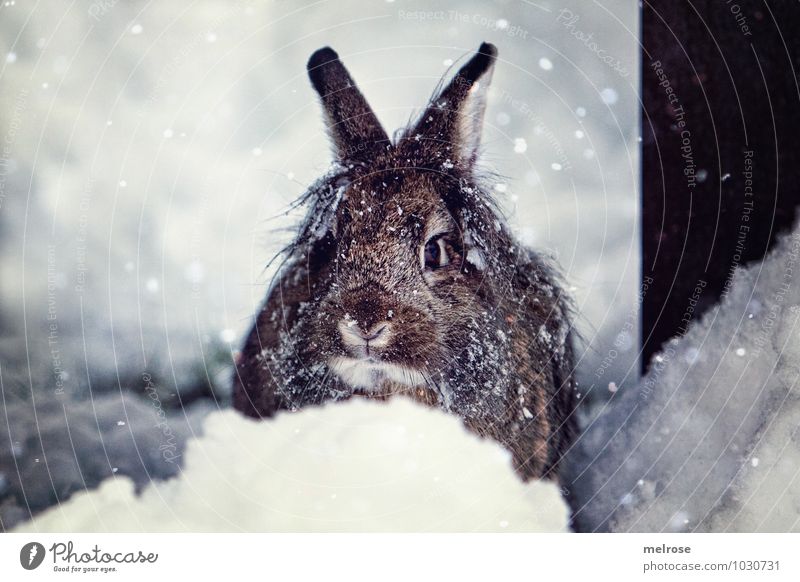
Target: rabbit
[[404, 278]]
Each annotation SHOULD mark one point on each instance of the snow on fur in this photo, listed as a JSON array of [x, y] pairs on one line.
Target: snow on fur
[[355, 466]]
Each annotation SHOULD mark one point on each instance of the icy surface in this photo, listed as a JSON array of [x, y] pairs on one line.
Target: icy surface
[[710, 439], [355, 466]]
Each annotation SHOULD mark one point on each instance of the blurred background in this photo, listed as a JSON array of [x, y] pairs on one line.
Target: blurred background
[[149, 153]]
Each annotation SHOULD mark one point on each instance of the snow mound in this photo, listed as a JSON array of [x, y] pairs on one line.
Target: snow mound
[[710, 439], [354, 466]]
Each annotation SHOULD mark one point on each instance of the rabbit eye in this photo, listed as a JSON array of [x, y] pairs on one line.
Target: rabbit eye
[[436, 253]]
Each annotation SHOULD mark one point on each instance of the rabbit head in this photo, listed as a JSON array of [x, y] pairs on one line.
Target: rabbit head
[[405, 270]]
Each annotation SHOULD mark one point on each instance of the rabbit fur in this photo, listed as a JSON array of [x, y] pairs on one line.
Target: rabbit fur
[[404, 278]]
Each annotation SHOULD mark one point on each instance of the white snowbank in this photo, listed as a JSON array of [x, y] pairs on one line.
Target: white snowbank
[[710, 439], [356, 466]]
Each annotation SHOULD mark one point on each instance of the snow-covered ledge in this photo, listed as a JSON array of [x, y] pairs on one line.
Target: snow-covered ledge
[[355, 466], [710, 438]]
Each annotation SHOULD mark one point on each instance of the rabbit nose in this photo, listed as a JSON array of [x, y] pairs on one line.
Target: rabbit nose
[[374, 333], [353, 334]]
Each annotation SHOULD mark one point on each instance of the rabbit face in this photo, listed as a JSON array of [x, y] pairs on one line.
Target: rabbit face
[[398, 276], [399, 284]]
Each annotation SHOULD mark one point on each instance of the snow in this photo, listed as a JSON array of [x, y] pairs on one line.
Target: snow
[[609, 96], [355, 466], [475, 257], [709, 442]]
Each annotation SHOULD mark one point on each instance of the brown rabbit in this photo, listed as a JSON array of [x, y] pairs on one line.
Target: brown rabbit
[[404, 278]]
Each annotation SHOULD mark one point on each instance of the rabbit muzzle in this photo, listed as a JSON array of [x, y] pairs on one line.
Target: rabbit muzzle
[[379, 339]]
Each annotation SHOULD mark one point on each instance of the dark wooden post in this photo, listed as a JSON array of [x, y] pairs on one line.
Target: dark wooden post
[[721, 149]]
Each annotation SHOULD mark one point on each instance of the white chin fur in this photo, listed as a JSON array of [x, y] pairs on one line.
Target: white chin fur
[[370, 375]]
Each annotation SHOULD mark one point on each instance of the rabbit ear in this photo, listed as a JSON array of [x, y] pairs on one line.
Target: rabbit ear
[[454, 118], [356, 132]]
